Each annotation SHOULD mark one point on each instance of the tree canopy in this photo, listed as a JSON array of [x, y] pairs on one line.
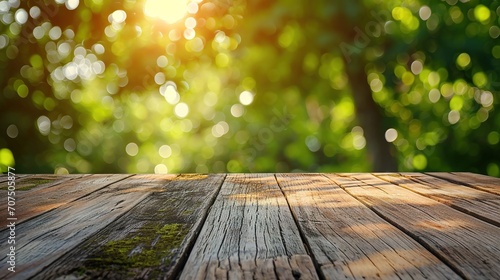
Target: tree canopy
[[147, 86]]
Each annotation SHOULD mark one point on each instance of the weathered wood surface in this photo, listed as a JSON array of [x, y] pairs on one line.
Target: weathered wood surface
[[4, 178], [480, 204], [54, 193], [477, 181], [151, 241], [471, 247], [249, 234], [50, 235], [350, 241], [254, 226]]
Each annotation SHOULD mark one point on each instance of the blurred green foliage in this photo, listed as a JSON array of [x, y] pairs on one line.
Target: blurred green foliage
[[96, 86]]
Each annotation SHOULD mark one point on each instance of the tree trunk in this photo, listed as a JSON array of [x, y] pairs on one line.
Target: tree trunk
[[370, 119]]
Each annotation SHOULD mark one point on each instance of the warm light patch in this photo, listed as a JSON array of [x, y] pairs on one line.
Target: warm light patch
[[168, 10]]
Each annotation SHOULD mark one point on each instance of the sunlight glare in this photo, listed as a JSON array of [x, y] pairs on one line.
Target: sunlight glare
[[170, 11]]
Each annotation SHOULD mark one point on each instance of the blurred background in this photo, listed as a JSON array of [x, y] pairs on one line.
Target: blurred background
[[168, 86]]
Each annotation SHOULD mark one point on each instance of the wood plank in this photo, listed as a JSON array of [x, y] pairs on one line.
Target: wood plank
[[471, 247], [4, 178], [30, 182], [477, 181], [348, 240], [43, 239], [480, 204], [55, 193], [249, 234], [151, 241]]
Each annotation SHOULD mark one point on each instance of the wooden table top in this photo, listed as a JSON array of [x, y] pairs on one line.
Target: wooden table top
[[252, 226]]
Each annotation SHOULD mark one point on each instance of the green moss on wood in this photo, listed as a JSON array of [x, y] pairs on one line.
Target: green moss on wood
[[152, 246]]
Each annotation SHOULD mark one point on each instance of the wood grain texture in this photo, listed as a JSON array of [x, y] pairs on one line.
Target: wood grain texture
[[45, 197], [45, 238], [4, 178], [249, 233], [315, 226], [348, 240], [31, 182], [468, 245], [480, 204], [134, 246], [477, 181]]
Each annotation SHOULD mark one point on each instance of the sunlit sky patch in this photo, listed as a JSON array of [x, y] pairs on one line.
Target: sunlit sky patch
[[170, 11]]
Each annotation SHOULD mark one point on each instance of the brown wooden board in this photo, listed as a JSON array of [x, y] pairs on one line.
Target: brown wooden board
[[56, 192], [471, 247], [348, 240], [30, 182], [249, 234], [45, 238], [480, 204], [477, 181], [4, 179], [151, 241], [25, 182]]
